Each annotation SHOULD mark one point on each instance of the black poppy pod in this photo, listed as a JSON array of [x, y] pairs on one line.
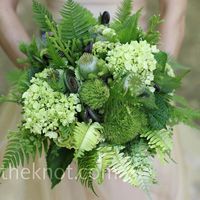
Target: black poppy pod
[[71, 82], [105, 18], [88, 48]]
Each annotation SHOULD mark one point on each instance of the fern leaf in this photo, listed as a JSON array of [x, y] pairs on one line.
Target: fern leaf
[[86, 168], [76, 21], [124, 10], [129, 31], [21, 146], [105, 157], [86, 137], [159, 140], [40, 15]]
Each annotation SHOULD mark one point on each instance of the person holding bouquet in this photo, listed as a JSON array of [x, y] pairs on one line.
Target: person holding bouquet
[[172, 33]]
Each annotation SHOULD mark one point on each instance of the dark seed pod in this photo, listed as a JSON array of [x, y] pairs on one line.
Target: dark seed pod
[[88, 48], [46, 59], [93, 115], [105, 18], [71, 82], [157, 87]]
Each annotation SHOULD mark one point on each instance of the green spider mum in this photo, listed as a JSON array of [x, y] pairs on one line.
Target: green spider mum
[[124, 123], [94, 93]]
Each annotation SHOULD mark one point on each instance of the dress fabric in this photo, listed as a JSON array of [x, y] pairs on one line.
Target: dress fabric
[[170, 177]]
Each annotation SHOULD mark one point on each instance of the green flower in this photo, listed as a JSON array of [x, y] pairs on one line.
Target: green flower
[[45, 110], [94, 93], [123, 124], [136, 58]]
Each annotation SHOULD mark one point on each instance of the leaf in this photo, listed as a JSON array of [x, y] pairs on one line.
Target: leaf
[[21, 146], [153, 35], [40, 15], [86, 137], [161, 59], [86, 167], [129, 29], [76, 21], [160, 140], [124, 11], [159, 117], [58, 159]]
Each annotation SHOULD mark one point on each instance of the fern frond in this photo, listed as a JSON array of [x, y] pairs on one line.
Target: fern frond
[[153, 35], [76, 21], [122, 166], [41, 14], [86, 137], [159, 140], [21, 147], [129, 30], [134, 165], [18, 87], [105, 157], [86, 168], [124, 11]]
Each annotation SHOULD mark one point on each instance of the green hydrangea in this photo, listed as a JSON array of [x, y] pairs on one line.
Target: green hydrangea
[[104, 33], [101, 48], [123, 123], [94, 93], [136, 58], [44, 109]]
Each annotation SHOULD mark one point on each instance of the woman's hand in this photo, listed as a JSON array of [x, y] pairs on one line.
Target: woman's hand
[[11, 30]]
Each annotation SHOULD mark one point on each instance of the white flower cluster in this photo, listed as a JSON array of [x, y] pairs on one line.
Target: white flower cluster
[[102, 47], [136, 58], [44, 110]]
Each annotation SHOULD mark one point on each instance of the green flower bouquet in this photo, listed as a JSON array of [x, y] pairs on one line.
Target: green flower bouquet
[[98, 93]]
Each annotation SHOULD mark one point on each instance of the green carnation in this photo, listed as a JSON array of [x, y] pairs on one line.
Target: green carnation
[[124, 123], [94, 93]]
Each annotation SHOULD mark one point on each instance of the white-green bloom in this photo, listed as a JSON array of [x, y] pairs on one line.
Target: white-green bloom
[[44, 109], [102, 47], [136, 58]]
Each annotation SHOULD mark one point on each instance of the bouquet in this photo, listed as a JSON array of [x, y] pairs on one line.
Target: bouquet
[[98, 93]]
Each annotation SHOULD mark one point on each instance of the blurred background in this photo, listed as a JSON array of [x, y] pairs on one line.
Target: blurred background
[[189, 57]]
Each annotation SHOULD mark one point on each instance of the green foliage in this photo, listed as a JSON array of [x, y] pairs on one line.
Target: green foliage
[[159, 140], [123, 123], [94, 93], [159, 117], [86, 137], [86, 168], [32, 52], [19, 84], [181, 112], [133, 165], [21, 146], [58, 159], [105, 157], [153, 35], [124, 10], [129, 30], [57, 61], [161, 58], [142, 163], [41, 14], [76, 21], [66, 138]]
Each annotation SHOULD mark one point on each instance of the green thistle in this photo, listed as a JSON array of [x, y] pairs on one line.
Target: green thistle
[[94, 93], [123, 123]]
